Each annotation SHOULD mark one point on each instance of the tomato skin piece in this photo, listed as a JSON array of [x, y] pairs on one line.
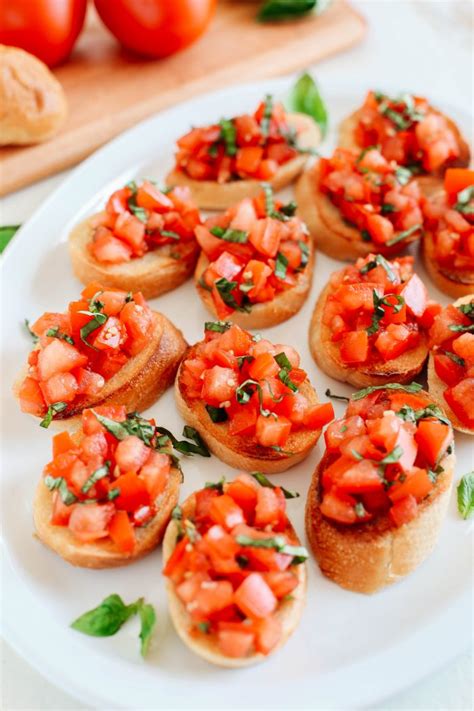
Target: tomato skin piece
[[156, 28], [255, 598], [404, 510], [267, 508], [44, 28], [433, 439], [121, 532]]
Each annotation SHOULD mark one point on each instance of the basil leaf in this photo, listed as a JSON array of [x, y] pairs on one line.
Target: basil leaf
[[282, 360], [217, 485], [105, 619], [263, 481], [267, 115], [284, 376], [455, 358], [225, 289], [403, 175], [199, 447], [203, 627], [289, 210], [304, 255], [56, 333], [34, 337], [359, 509], [458, 328], [96, 322], [147, 615], [410, 388], [277, 543], [382, 262], [393, 456], [139, 212], [328, 393], [113, 493], [98, 474], [133, 425], [279, 449], [244, 359], [170, 234], [217, 326], [59, 483], [54, 408], [281, 266], [276, 10], [379, 311], [404, 235], [306, 99], [409, 414], [229, 235], [465, 495], [365, 234], [7, 232], [177, 513], [217, 414], [386, 208], [463, 199], [269, 203], [467, 309], [229, 136]]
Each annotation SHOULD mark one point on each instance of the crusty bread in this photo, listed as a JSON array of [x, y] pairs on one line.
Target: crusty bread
[[153, 274], [210, 195], [242, 452], [454, 283], [33, 103], [436, 387], [103, 553], [368, 556], [141, 381], [326, 354], [289, 611], [269, 313], [346, 140]]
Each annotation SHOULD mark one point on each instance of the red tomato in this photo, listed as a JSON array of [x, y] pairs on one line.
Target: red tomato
[[121, 532], [46, 28], [254, 597], [155, 28], [235, 643], [404, 510], [226, 512], [91, 522]]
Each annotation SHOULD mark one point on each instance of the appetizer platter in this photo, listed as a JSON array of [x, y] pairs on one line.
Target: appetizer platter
[[196, 377]]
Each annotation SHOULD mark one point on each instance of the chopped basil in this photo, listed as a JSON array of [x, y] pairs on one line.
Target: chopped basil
[[275, 10], [242, 560], [184, 447], [204, 627], [245, 391], [403, 175], [455, 358], [393, 456], [229, 136], [465, 495], [305, 98], [217, 414], [284, 373], [328, 393], [7, 232], [404, 235], [289, 209], [459, 328], [282, 360], [177, 513], [464, 198], [277, 543], [229, 235], [263, 481], [99, 473], [213, 150], [133, 425], [304, 254], [360, 511], [386, 208], [365, 234], [217, 485], [59, 483], [382, 262], [280, 450], [409, 414], [34, 337], [379, 310], [225, 289], [113, 493], [217, 326], [410, 388], [98, 319], [244, 359], [54, 408], [267, 115], [56, 333], [467, 309], [171, 234], [281, 266], [139, 212], [269, 203]]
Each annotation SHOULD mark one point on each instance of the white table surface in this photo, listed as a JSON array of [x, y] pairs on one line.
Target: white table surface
[[416, 44]]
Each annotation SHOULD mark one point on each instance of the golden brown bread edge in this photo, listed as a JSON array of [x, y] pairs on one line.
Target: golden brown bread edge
[[243, 452], [369, 556], [436, 387], [141, 381], [269, 313], [289, 611], [326, 354], [103, 553], [211, 195], [153, 274], [33, 102], [448, 282]]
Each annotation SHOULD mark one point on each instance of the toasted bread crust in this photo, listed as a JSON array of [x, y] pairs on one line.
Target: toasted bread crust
[[153, 274], [367, 557], [103, 553], [210, 195], [346, 140], [269, 313], [456, 283], [141, 381], [205, 646], [239, 451], [326, 354], [436, 386]]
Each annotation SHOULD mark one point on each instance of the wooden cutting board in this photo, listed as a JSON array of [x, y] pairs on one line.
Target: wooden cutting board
[[109, 90]]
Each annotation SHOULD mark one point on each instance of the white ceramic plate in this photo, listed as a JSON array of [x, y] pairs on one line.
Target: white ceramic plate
[[349, 650]]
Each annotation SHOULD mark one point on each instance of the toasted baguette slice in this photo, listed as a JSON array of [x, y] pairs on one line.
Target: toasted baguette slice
[[454, 283], [289, 611], [141, 381], [153, 274], [269, 313], [103, 553], [326, 354], [210, 195], [436, 386], [243, 452], [367, 557], [347, 140]]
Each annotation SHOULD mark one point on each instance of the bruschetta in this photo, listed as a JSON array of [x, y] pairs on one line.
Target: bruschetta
[[256, 263], [379, 496], [451, 362], [448, 239], [410, 132], [224, 163], [235, 572], [143, 240], [356, 203], [108, 348], [107, 495], [249, 400], [370, 323]]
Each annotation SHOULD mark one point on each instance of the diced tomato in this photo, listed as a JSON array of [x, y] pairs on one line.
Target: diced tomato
[[447, 369], [463, 346], [245, 496], [118, 201], [404, 510], [213, 596], [130, 229], [151, 198], [176, 564], [380, 228], [131, 454], [105, 247], [354, 347], [294, 406], [243, 419], [267, 510], [456, 179], [90, 522], [188, 589], [155, 473], [415, 294], [417, 484], [354, 297], [204, 498], [361, 477], [268, 634], [235, 643], [408, 445], [383, 431], [31, 397], [432, 310], [61, 513], [339, 507], [88, 382], [265, 236], [343, 429], [254, 597], [248, 159], [264, 366], [290, 352], [433, 438], [62, 442], [121, 532], [395, 340], [90, 423], [133, 492], [224, 511], [94, 446], [138, 321], [282, 582], [317, 416], [110, 336], [218, 385], [271, 432], [61, 387], [58, 357]]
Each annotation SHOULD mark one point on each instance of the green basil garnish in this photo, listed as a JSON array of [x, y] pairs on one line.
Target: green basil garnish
[[277, 543], [229, 136], [56, 333], [281, 266], [53, 409], [33, 336], [404, 235], [379, 260], [7, 232], [99, 473], [217, 414], [277, 10], [263, 481], [59, 483], [217, 326], [305, 98], [465, 495], [229, 235], [410, 388]]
